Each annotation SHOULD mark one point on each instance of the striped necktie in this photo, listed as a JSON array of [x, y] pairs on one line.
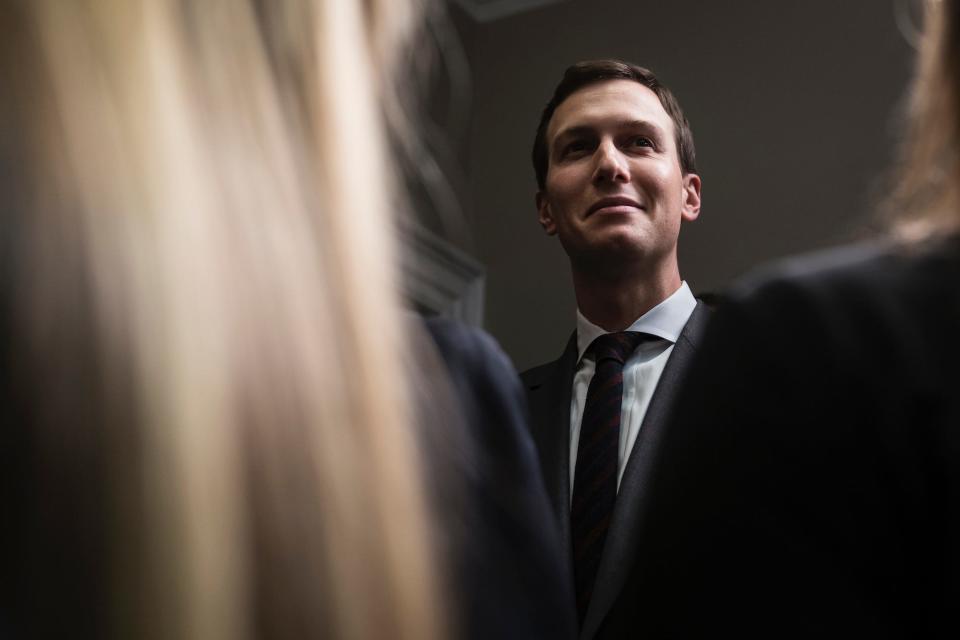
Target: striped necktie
[[595, 474]]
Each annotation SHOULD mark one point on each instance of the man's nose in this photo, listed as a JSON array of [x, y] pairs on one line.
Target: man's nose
[[610, 164]]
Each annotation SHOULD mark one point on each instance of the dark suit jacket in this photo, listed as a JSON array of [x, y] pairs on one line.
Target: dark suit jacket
[[809, 483], [549, 389], [510, 576]]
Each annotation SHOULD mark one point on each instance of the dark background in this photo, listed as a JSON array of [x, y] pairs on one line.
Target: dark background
[[795, 107]]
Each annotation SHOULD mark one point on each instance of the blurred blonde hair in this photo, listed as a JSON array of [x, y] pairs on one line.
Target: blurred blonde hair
[[206, 264], [925, 202]]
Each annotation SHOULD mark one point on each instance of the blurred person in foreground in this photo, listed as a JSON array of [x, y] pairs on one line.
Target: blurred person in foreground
[[809, 483], [208, 429]]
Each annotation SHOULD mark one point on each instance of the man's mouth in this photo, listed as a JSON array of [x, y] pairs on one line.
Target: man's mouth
[[614, 205]]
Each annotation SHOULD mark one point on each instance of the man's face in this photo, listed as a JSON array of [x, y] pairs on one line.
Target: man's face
[[614, 193]]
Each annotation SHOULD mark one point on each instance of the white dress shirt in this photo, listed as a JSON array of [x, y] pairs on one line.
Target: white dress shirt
[[641, 371]]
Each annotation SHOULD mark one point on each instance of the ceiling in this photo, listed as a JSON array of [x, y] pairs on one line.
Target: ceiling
[[491, 10]]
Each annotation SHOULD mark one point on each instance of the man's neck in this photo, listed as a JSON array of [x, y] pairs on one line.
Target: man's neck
[[614, 304]]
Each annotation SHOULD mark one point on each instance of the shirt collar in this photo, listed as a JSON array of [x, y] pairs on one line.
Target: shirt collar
[[666, 320]]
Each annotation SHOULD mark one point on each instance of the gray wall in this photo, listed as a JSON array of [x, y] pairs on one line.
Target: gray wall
[[792, 105]]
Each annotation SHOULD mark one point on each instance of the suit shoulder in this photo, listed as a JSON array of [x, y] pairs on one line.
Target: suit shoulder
[[867, 282], [485, 384], [877, 266], [469, 352], [534, 377]]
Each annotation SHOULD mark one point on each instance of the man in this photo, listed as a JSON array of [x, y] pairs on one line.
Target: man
[[616, 174]]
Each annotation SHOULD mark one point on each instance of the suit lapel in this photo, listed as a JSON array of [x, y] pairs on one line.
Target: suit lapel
[[619, 548], [549, 390]]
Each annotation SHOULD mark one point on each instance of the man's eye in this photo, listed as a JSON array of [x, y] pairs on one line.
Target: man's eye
[[641, 141], [575, 147]]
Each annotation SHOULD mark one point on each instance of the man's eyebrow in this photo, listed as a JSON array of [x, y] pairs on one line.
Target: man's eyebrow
[[646, 125], [571, 132], [580, 130]]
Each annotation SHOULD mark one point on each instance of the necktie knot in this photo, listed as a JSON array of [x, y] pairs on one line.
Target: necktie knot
[[616, 346]]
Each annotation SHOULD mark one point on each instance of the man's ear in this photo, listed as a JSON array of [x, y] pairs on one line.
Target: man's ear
[[544, 215], [691, 197]]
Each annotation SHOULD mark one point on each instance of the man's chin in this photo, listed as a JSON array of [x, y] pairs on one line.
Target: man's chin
[[623, 242], [622, 248], [618, 254]]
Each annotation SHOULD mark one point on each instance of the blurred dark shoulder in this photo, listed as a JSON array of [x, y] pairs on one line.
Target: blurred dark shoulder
[[915, 273], [506, 560], [875, 320], [471, 356]]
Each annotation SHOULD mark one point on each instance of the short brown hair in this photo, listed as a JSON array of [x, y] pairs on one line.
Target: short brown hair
[[588, 72]]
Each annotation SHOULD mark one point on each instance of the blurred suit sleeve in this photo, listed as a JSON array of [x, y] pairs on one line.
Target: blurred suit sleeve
[[508, 559]]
